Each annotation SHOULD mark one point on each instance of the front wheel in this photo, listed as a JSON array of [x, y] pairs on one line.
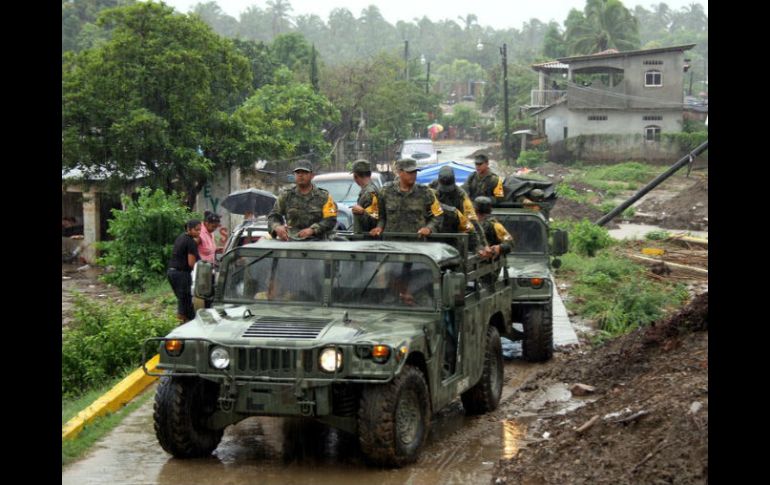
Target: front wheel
[[182, 405], [394, 419], [538, 333], [485, 395]]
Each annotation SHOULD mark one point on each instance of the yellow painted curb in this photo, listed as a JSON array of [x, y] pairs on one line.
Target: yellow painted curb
[[113, 400]]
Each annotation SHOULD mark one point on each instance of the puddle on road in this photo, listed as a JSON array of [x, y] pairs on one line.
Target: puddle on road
[[460, 449], [638, 231]]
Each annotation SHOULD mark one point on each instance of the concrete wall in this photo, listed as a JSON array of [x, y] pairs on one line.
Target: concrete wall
[[555, 122], [621, 122], [619, 148], [214, 192]]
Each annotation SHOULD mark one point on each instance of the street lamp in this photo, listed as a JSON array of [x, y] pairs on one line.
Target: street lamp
[[506, 136]]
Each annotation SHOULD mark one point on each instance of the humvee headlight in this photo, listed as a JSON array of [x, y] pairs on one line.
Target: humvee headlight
[[380, 353], [174, 347], [330, 359], [220, 358]]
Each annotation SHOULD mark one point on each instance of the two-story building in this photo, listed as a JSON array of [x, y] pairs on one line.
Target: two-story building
[[611, 92]]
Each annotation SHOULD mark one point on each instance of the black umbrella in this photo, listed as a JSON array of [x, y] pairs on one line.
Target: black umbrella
[[260, 202]]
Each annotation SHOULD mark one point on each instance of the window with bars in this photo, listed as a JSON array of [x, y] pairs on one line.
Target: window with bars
[[597, 118], [652, 62], [653, 79], [652, 133], [652, 118]]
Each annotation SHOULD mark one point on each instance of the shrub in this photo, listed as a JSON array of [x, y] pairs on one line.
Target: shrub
[[586, 238], [144, 234], [532, 158], [657, 235], [104, 341]]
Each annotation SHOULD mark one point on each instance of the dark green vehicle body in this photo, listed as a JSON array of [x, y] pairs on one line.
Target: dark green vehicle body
[[341, 296], [529, 267]]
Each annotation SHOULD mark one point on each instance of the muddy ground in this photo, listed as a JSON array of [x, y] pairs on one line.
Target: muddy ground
[[84, 279], [648, 422]]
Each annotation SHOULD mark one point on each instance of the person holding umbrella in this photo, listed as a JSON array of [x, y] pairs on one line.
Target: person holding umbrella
[[303, 211]]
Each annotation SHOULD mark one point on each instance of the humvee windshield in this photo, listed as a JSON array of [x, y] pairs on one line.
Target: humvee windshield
[[528, 235], [383, 284], [251, 278]]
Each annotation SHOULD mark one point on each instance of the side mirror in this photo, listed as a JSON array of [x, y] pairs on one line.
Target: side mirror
[[453, 290], [203, 283], [560, 242], [438, 152]]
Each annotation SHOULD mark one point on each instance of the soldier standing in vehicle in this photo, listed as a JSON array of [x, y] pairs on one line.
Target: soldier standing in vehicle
[[459, 216], [408, 207], [366, 210], [484, 181], [498, 237], [308, 211]]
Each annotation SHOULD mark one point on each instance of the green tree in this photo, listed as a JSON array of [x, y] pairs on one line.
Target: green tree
[[604, 24], [279, 10], [297, 116], [155, 101], [314, 70], [293, 51], [554, 46], [214, 17]]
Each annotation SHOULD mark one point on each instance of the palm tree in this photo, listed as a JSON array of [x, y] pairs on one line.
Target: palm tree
[[605, 24], [279, 9]]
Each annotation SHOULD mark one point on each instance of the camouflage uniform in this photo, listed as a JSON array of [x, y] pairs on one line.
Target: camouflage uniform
[[490, 185], [496, 233], [368, 199], [460, 219], [408, 211], [316, 210]]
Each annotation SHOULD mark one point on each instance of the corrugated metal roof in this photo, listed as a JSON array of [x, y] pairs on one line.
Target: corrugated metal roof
[[550, 66]]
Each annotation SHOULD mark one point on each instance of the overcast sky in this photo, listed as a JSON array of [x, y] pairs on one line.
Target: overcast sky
[[499, 14]]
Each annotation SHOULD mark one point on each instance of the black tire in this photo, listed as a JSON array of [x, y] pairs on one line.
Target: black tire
[[538, 333], [485, 395], [394, 419], [182, 405]]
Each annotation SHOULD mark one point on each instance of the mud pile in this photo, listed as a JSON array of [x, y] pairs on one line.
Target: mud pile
[[568, 209], [687, 210], [650, 418]]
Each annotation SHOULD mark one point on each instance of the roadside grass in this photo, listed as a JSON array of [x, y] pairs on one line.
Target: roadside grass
[[157, 291], [613, 179], [73, 449], [615, 293]]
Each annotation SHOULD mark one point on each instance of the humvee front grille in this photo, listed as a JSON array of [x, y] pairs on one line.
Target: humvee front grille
[[274, 360], [286, 327]]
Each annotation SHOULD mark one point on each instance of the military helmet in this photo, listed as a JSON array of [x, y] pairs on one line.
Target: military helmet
[[446, 179], [482, 205]]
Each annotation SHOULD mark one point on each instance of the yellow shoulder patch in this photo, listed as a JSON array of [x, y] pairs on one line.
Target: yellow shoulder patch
[[498, 191], [502, 233], [435, 207], [330, 209], [374, 209], [468, 210]]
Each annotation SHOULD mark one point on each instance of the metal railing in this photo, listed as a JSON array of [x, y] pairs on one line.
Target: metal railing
[[545, 97]]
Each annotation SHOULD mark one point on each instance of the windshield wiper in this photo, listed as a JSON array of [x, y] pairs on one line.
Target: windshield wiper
[[239, 270], [377, 270]]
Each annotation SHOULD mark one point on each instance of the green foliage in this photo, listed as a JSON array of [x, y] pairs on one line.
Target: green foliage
[[586, 238], [657, 235], [566, 191], [531, 158], [607, 206], [621, 172], [105, 340], [687, 142], [602, 25], [144, 234], [613, 291]]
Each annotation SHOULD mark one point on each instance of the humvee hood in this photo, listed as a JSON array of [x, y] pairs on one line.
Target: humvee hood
[[527, 266], [298, 326]]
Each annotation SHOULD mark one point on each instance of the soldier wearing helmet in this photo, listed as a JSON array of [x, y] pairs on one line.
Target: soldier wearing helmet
[[499, 239]]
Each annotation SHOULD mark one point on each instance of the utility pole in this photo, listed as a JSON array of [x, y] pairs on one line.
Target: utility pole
[[427, 81], [406, 60], [506, 139]]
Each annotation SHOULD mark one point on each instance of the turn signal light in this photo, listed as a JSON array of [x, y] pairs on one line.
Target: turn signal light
[[536, 282], [380, 353], [174, 347]]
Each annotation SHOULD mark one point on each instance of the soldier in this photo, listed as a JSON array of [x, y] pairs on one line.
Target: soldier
[[366, 210], [461, 217], [309, 211], [407, 207], [484, 181], [500, 241]]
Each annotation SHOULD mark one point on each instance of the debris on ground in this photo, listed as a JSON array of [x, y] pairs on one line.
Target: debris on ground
[[648, 422], [689, 209]]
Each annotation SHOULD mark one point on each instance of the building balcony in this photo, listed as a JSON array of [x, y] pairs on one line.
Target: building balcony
[[542, 98]]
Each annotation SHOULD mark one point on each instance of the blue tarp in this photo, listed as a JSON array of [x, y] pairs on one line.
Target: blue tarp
[[429, 173]]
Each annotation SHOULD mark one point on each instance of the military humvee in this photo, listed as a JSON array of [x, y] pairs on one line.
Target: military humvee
[[371, 337], [529, 268]]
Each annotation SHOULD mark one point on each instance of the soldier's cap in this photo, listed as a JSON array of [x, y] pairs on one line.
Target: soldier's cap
[[360, 166], [482, 204], [303, 165], [446, 179], [480, 158], [407, 165]]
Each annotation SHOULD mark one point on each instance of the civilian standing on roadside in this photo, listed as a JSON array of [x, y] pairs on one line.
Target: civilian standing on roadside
[[183, 258], [207, 247]]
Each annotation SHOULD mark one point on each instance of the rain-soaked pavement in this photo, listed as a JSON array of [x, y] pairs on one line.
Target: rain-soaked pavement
[[459, 450]]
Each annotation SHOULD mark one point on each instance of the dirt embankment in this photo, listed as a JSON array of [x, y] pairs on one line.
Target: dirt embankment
[[689, 209], [649, 423]]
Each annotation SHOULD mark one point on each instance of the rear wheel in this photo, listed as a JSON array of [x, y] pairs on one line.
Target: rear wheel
[[394, 419], [538, 333], [485, 395], [182, 406]]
